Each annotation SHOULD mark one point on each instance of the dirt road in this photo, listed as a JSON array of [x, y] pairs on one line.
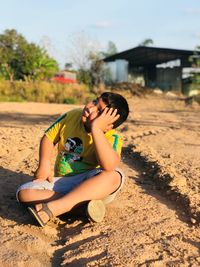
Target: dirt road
[[153, 222]]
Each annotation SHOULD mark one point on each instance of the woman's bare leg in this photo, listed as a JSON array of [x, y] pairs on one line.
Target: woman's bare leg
[[34, 196], [97, 187]]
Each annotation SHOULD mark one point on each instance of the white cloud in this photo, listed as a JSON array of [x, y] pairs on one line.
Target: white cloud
[[102, 24]]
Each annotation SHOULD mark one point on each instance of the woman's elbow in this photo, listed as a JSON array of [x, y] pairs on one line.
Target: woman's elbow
[[113, 164]]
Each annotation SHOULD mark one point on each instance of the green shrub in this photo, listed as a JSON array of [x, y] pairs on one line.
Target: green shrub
[[69, 100]]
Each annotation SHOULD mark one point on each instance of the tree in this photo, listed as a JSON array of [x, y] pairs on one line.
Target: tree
[[81, 45], [98, 71], [86, 57], [43, 66], [20, 59], [68, 66], [111, 50], [195, 60], [146, 42], [9, 42]]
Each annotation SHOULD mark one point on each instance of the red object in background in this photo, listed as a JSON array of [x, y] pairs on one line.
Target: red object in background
[[66, 77], [63, 80]]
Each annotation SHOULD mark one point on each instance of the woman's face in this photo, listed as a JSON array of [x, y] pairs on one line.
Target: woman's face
[[91, 111]]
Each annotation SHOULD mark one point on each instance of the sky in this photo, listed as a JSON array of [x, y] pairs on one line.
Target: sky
[[54, 23]]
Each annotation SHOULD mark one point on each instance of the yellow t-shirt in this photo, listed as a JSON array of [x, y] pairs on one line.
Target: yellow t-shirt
[[76, 153]]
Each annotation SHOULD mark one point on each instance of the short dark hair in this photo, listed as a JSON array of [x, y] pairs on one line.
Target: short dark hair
[[116, 101]]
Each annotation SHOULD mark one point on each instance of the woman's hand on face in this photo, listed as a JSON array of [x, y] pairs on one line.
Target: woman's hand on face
[[105, 120]]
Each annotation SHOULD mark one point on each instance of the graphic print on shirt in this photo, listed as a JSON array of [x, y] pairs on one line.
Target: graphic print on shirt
[[70, 156]]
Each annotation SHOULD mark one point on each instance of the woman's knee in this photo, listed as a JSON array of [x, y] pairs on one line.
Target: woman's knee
[[113, 177], [24, 195]]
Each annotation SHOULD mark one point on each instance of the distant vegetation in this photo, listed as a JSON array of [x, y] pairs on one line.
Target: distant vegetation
[[43, 91], [88, 62], [21, 60], [26, 71], [195, 60], [146, 42]]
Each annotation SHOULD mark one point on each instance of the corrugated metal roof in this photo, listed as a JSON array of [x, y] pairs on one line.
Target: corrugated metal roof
[[145, 55]]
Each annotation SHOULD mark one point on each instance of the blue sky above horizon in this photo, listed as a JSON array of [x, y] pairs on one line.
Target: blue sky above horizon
[[172, 23]]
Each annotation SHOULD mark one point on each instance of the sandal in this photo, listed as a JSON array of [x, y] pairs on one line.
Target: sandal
[[44, 208]]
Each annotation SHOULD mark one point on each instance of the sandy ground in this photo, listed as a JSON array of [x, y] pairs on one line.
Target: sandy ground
[[153, 222]]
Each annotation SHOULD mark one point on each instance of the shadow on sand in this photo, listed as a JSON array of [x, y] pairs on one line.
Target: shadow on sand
[[27, 119], [10, 208], [149, 179]]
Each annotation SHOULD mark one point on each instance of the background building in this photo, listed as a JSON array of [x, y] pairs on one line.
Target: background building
[[164, 68]]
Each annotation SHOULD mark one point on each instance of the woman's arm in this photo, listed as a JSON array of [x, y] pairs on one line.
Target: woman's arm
[[108, 158], [43, 171]]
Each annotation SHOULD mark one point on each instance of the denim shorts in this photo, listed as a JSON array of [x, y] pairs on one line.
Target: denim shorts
[[64, 185]]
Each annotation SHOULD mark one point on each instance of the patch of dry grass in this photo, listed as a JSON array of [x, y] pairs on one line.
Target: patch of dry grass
[[42, 91]]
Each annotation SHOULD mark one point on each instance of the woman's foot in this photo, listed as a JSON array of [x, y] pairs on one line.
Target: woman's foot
[[96, 210], [41, 213]]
